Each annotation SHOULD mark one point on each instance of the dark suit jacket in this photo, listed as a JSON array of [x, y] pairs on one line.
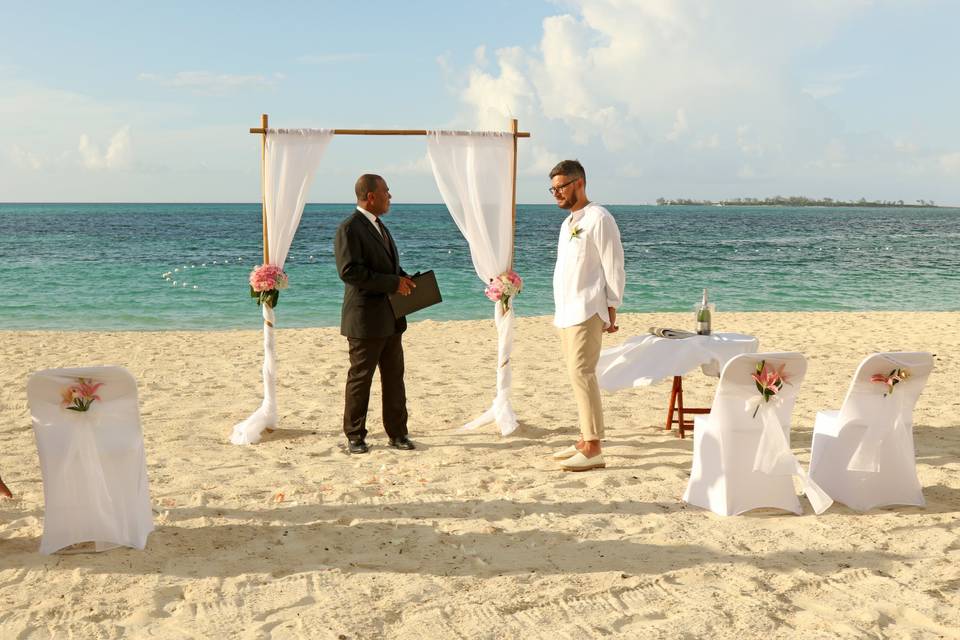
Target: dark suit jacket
[[369, 274]]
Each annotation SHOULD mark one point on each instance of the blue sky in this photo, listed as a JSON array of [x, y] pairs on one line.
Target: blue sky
[[674, 98]]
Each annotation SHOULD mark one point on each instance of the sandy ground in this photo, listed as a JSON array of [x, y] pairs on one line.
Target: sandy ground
[[473, 535]]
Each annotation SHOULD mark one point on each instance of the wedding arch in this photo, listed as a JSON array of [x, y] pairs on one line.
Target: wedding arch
[[476, 173]]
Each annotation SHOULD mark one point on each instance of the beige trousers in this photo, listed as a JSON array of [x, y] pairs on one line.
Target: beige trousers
[[581, 350]]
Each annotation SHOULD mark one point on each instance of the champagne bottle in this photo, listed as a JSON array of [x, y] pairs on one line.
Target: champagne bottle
[[703, 316]]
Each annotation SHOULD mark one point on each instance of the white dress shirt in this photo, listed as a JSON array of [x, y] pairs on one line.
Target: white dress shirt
[[589, 275], [372, 218]]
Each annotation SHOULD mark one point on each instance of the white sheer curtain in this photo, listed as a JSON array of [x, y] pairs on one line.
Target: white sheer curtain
[[292, 158], [474, 174]]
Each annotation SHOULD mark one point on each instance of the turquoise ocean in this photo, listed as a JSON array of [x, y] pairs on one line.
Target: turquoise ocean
[[100, 266]]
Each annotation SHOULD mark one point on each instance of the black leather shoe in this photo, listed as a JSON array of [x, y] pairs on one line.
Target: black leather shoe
[[357, 446], [403, 442]]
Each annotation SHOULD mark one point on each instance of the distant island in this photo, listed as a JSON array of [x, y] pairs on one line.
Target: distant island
[[794, 201]]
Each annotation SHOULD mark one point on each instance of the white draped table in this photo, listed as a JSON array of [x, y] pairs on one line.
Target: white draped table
[[642, 361]]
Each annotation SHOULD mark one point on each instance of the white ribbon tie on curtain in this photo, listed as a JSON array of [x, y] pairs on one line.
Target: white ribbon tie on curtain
[[292, 158]]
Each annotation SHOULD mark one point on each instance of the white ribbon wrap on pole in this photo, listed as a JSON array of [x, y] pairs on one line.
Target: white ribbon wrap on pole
[[501, 411], [774, 456], [474, 175], [291, 160]]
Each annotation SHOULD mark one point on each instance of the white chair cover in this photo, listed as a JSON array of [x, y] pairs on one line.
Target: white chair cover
[[862, 455], [92, 463], [473, 171], [645, 360], [742, 460], [292, 158]]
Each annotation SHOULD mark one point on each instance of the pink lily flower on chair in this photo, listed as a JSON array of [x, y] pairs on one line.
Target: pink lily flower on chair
[[769, 381], [87, 389], [890, 379], [79, 396]]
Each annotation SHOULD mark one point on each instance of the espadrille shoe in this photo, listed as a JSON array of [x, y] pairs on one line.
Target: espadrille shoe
[[580, 462], [564, 454]]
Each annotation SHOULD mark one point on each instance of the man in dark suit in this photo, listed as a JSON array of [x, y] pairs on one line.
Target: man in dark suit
[[369, 265]]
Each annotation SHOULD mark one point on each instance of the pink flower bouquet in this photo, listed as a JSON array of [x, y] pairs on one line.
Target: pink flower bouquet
[[266, 281], [79, 396], [890, 379], [769, 381], [503, 287]]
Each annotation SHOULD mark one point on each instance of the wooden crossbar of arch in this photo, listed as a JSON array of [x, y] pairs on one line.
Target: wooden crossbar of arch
[[262, 130]]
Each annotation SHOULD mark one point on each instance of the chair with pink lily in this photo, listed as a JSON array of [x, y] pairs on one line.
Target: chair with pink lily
[[741, 451], [863, 455], [87, 425]]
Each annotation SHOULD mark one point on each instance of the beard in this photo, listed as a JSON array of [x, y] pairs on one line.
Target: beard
[[565, 203]]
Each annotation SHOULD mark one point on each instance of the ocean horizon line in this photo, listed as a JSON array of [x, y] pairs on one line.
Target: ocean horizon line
[[415, 204]]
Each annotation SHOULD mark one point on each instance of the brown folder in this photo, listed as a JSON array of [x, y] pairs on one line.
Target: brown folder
[[424, 295]]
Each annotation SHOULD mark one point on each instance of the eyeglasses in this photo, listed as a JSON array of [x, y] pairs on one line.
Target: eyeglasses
[[555, 190]]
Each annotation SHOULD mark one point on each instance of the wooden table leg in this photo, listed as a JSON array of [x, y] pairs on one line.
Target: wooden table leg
[[680, 421], [683, 423], [673, 401]]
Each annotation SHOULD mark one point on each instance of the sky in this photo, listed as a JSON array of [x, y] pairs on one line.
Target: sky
[[152, 102]]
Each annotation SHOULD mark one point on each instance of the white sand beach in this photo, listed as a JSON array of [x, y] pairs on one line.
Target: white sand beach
[[473, 535]]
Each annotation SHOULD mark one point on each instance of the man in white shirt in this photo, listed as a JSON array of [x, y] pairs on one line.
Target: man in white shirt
[[588, 283]]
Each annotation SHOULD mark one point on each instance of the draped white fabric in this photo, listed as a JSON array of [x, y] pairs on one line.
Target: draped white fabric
[[94, 470], [645, 360], [292, 158], [475, 177], [774, 456], [501, 411], [863, 454], [742, 460]]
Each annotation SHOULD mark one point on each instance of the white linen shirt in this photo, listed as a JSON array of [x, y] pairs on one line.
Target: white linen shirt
[[589, 275]]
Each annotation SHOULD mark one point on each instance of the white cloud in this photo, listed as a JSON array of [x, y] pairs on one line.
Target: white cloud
[[680, 125], [711, 141], [480, 56], [497, 99], [117, 156], [950, 163], [748, 142], [27, 159], [620, 82], [207, 82], [419, 166], [833, 83], [536, 160]]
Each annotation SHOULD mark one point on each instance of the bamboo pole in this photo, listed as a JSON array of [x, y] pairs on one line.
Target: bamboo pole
[[513, 198], [385, 132], [263, 185]]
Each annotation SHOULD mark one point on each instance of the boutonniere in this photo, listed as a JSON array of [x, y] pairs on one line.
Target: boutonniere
[[575, 231]]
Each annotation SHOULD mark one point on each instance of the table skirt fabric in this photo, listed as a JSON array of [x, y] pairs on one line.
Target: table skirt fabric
[[645, 360]]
